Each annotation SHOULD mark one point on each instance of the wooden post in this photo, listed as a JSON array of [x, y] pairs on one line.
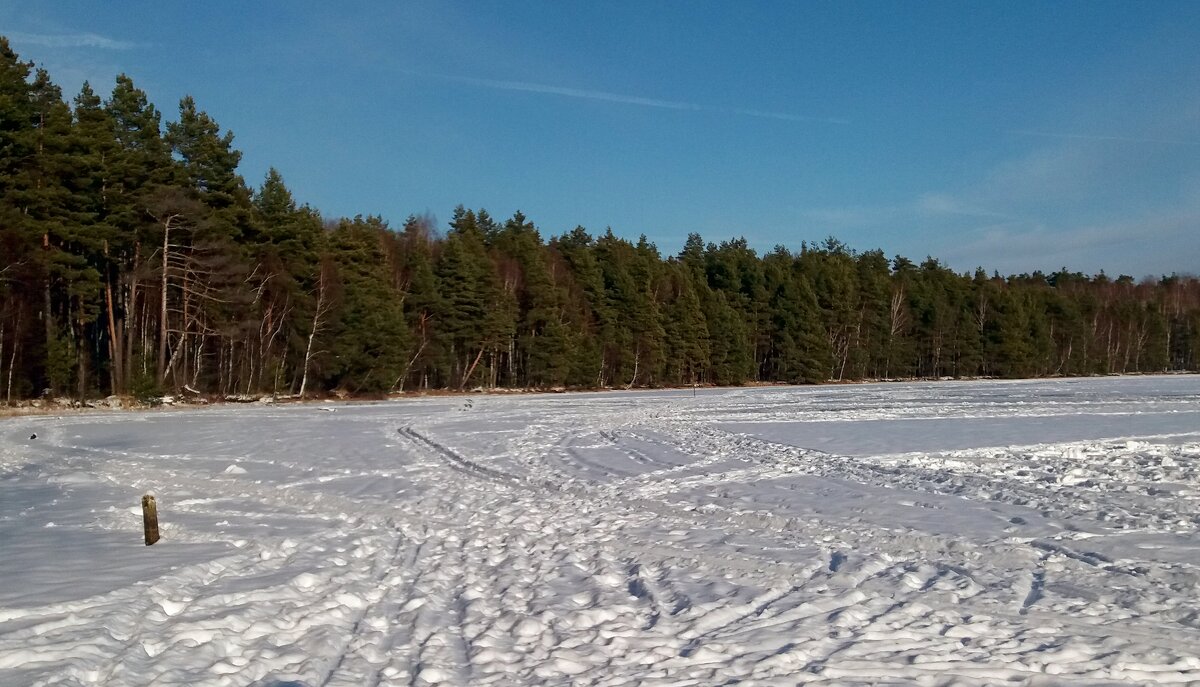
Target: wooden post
[[150, 519]]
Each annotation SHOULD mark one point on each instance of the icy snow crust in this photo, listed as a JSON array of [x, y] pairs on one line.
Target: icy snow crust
[[941, 533]]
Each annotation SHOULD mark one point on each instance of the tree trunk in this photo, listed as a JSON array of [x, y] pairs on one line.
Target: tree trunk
[[12, 362], [637, 357], [420, 349], [131, 321], [318, 312], [82, 353], [47, 304], [162, 311], [471, 370], [116, 378]]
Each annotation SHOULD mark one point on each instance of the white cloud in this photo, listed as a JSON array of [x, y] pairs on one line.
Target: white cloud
[[945, 204], [70, 40], [1043, 210], [1117, 139], [1133, 246], [926, 207], [605, 96], [851, 216]]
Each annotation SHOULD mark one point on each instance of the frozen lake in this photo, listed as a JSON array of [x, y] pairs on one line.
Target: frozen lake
[[936, 533]]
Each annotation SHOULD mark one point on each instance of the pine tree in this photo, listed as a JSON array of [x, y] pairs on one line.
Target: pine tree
[[594, 317], [92, 145], [733, 271], [875, 295], [541, 339], [831, 272], [799, 350], [686, 331], [368, 341], [479, 315], [125, 269], [21, 344], [634, 348], [48, 189], [288, 253], [209, 158], [422, 302], [732, 357], [139, 167]]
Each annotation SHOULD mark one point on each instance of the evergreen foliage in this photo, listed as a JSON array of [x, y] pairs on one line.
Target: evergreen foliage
[[135, 261]]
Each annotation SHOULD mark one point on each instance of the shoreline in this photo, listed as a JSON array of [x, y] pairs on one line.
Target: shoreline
[[67, 406]]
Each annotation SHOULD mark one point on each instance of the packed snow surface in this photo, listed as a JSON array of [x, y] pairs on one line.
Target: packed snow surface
[[940, 533]]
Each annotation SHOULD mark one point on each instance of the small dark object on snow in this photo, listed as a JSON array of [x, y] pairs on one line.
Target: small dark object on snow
[[150, 519], [32, 437]]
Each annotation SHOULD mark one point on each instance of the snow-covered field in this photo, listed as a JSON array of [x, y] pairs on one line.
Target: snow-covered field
[[940, 533]]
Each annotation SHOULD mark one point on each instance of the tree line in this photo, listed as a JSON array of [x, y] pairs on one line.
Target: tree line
[[134, 259]]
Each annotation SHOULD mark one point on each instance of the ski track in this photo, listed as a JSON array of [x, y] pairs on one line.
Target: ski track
[[617, 539]]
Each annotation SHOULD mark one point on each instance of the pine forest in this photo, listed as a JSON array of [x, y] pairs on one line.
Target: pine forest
[[135, 260]]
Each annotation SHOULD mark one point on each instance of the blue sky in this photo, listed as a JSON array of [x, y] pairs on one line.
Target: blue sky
[[1012, 136]]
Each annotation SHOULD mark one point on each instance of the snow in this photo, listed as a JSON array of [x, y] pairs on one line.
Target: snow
[[942, 533]]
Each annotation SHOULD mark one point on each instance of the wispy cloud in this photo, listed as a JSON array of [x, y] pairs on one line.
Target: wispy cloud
[[70, 40], [924, 208], [1095, 137], [937, 204], [848, 217], [1134, 245], [785, 116], [605, 96]]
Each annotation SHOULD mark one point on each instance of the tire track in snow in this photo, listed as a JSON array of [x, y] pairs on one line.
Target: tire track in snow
[[639, 587], [457, 462], [526, 551]]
